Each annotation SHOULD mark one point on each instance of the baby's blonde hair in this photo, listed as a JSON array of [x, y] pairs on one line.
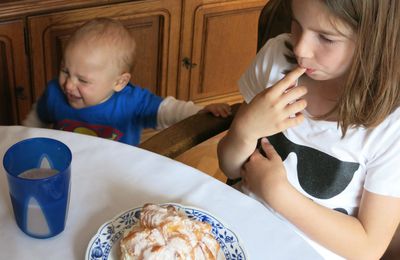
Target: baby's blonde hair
[[106, 32]]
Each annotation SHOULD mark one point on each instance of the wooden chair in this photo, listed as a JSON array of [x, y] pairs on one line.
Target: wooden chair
[[187, 133], [274, 19]]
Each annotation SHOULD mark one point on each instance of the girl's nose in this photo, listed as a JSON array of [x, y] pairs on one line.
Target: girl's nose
[[303, 46]]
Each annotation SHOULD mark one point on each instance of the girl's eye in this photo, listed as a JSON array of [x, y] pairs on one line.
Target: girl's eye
[[326, 40]]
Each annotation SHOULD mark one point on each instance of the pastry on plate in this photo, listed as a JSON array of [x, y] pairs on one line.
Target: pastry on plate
[[166, 233]]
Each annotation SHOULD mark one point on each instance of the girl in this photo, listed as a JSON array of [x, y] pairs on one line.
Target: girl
[[330, 162]]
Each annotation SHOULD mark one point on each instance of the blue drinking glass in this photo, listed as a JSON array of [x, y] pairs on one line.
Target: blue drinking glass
[[40, 202]]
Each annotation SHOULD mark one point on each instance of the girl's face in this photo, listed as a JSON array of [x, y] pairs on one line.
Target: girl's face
[[322, 44], [88, 76]]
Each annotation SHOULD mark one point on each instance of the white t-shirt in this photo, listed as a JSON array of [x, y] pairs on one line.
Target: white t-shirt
[[329, 169]]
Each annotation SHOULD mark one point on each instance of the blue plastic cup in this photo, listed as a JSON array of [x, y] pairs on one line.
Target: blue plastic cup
[[38, 173]]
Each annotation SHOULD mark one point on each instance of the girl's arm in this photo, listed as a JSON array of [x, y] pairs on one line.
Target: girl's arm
[[271, 111], [233, 150], [363, 237]]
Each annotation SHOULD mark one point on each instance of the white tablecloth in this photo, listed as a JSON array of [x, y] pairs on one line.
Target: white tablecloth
[[109, 177]]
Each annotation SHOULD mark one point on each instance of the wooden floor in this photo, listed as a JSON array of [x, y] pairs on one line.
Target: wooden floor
[[204, 158]]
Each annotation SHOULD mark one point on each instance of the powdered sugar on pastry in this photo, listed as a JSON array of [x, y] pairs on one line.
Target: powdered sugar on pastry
[[165, 233]]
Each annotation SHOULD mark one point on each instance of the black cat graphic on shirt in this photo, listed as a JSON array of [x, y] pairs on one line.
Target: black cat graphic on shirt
[[320, 175]]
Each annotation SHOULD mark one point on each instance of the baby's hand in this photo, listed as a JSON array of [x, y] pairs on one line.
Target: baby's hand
[[218, 109]]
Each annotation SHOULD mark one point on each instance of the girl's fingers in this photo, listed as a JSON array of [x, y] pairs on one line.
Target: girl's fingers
[[294, 120], [289, 80], [296, 107], [269, 150], [292, 95]]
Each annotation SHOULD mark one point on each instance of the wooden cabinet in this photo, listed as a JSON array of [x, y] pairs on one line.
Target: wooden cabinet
[[15, 98], [190, 49], [219, 38]]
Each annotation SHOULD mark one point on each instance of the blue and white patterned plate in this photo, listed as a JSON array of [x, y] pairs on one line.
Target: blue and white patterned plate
[[105, 243]]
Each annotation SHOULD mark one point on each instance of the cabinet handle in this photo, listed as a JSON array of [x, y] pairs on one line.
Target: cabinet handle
[[188, 64], [20, 92]]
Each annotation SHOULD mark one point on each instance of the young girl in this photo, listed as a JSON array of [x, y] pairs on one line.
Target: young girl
[[330, 164]]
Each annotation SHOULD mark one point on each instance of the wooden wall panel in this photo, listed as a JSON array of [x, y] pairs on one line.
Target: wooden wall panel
[[7, 113], [15, 95], [220, 40]]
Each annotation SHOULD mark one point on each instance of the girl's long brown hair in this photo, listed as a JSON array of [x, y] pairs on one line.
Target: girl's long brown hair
[[372, 89]]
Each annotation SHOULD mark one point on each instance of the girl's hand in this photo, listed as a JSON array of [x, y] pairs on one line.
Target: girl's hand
[[272, 110], [264, 176], [218, 109]]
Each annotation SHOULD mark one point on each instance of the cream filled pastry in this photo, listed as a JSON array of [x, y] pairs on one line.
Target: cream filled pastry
[[165, 233]]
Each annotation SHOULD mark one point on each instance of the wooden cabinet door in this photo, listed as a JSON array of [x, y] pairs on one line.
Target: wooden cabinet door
[[219, 42], [155, 25], [15, 97]]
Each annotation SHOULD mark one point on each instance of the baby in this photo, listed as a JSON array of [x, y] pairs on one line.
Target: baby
[[93, 94]]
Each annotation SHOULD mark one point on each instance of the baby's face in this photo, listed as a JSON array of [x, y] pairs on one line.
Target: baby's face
[[88, 76]]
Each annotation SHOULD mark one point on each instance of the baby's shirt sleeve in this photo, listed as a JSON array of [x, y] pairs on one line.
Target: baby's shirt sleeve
[[46, 103], [32, 119], [267, 68], [144, 106], [172, 111]]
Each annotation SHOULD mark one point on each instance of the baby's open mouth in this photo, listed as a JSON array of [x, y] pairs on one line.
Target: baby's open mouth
[[73, 97]]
